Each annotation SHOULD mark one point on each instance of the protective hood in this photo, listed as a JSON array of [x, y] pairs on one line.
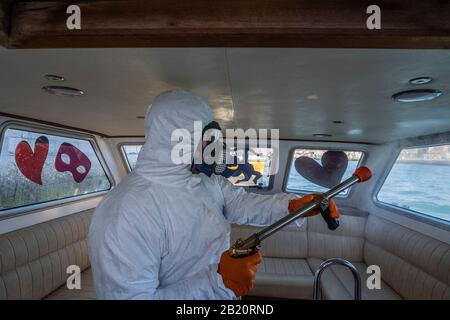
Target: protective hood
[[171, 110]]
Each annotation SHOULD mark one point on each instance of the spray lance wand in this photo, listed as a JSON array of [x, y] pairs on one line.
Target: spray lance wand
[[242, 248]]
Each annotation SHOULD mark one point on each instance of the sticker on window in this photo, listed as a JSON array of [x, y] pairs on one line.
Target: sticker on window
[[37, 168], [319, 170]]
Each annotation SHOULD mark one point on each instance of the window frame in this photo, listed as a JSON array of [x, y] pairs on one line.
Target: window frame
[[416, 215], [61, 132], [124, 156], [291, 159]]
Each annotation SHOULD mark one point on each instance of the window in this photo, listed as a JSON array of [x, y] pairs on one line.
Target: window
[[131, 152], [39, 167], [420, 181], [319, 170], [255, 173]]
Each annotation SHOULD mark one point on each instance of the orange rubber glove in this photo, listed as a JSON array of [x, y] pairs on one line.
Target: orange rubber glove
[[238, 274], [296, 204]]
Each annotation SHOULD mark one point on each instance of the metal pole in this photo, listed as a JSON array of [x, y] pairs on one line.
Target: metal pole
[[242, 248], [268, 231], [324, 265]]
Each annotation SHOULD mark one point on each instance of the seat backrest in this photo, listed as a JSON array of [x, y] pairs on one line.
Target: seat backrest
[[34, 260], [291, 242], [347, 241], [414, 265], [313, 239]]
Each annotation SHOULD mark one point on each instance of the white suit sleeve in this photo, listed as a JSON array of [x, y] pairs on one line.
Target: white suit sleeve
[[242, 207], [134, 258]]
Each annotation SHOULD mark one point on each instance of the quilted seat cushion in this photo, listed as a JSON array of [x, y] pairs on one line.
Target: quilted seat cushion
[[413, 264], [34, 260], [86, 292], [282, 277], [337, 283]]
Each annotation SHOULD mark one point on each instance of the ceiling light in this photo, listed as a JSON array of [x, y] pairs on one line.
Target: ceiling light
[[416, 95], [54, 77], [421, 80], [321, 135], [354, 131], [63, 91]]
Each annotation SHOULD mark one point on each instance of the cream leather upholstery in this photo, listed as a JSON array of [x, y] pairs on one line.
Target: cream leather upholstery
[[414, 265], [337, 283], [87, 291], [33, 260], [292, 242], [284, 271], [346, 242], [284, 277]]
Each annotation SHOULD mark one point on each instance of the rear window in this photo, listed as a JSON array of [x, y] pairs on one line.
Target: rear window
[[316, 170], [419, 182], [39, 167], [255, 172], [130, 152]]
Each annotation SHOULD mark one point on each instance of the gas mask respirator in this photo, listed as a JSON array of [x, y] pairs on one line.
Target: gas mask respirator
[[214, 153]]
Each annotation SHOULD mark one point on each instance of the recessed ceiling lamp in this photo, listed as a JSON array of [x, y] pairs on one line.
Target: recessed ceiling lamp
[[354, 131], [63, 91], [54, 77], [418, 95], [321, 135], [421, 80]]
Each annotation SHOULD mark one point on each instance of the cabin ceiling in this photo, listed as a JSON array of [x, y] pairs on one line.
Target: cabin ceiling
[[299, 91]]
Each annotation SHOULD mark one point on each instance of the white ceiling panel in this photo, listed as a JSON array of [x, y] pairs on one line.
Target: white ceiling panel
[[119, 84], [302, 91], [299, 91]]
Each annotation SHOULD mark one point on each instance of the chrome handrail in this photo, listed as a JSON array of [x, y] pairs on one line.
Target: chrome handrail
[[324, 265]]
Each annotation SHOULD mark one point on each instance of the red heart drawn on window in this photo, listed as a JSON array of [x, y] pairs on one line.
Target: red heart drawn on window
[[78, 164], [330, 173], [31, 163]]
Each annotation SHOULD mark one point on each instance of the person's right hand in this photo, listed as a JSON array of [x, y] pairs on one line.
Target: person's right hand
[[238, 274], [298, 203]]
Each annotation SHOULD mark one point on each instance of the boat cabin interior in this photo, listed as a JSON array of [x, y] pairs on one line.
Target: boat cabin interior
[[72, 124]]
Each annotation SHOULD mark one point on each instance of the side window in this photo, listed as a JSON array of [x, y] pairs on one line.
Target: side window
[[38, 167], [130, 152], [319, 170], [419, 181]]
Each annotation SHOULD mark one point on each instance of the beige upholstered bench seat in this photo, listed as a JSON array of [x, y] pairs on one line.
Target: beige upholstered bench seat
[[413, 265], [287, 278], [337, 283], [87, 291], [34, 260]]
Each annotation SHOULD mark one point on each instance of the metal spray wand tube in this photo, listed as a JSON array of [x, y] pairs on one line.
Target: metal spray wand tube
[[268, 231], [247, 246]]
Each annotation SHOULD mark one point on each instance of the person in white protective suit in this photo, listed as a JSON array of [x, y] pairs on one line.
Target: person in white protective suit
[[163, 231]]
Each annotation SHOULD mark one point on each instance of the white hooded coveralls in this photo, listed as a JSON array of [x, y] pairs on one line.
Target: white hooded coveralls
[[160, 233]]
